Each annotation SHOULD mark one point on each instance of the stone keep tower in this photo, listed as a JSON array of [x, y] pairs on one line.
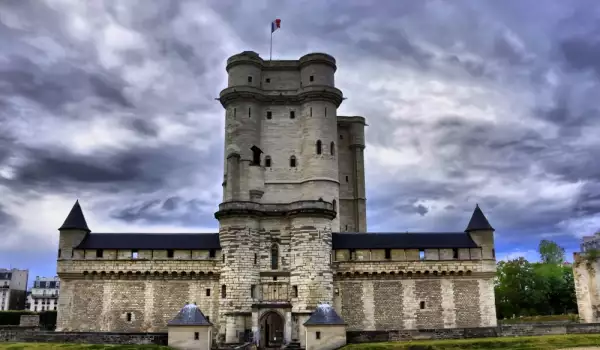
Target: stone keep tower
[[281, 189]]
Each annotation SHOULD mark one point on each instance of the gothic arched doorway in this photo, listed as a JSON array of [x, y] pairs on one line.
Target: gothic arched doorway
[[271, 330]]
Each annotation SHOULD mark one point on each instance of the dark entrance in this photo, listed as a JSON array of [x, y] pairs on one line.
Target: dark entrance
[[271, 330]]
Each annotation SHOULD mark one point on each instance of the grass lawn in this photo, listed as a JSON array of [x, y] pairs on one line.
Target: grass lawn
[[513, 343], [40, 346]]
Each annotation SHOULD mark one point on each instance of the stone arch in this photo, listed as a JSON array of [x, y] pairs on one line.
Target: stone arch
[[85, 273], [460, 273], [451, 273], [409, 274], [469, 272], [444, 273], [271, 328], [94, 273]]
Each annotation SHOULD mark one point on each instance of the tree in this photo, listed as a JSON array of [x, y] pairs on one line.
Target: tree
[[551, 253]]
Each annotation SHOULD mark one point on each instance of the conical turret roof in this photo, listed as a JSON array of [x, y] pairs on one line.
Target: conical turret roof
[[189, 315], [75, 220], [478, 221], [324, 314]]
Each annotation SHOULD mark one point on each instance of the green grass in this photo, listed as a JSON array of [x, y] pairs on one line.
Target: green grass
[[547, 342], [71, 346]]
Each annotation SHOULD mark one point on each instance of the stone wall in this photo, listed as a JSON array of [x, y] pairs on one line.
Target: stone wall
[[480, 332], [587, 288], [33, 334]]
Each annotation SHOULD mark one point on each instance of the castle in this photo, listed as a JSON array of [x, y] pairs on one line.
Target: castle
[[292, 234]]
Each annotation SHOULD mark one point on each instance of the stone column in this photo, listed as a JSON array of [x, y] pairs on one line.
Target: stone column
[[287, 330]]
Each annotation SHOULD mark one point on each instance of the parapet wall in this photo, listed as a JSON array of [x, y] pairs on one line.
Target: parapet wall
[[33, 334]]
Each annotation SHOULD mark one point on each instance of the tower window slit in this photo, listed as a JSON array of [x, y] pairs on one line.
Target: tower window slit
[[332, 148], [293, 161], [318, 146], [267, 161]]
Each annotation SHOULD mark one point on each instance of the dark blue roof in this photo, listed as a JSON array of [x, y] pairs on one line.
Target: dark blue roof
[[75, 220], [324, 314], [156, 241], [421, 240], [190, 315], [478, 221]]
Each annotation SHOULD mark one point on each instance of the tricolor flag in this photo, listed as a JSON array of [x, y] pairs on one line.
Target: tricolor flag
[[276, 24]]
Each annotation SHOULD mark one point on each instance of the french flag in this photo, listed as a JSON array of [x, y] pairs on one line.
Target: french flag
[[276, 24]]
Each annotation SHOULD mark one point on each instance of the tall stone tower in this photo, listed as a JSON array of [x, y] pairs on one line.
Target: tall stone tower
[[281, 193]]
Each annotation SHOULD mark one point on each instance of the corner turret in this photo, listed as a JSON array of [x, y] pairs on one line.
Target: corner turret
[[72, 232], [482, 233]]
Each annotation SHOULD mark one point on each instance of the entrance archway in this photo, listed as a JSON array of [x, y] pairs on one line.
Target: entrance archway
[[271, 330]]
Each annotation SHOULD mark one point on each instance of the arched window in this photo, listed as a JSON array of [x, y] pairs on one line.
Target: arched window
[[318, 146], [268, 161], [334, 205], [293, 161], [274, 257], [332, 148]]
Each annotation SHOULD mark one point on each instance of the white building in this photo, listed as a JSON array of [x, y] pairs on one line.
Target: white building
[[13, 289], [44, 294]]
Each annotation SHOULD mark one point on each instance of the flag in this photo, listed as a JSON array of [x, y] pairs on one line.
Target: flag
[[276, 24]]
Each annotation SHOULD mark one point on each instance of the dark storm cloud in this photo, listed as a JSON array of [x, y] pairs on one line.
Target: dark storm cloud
[[6, 219], [172, 210]]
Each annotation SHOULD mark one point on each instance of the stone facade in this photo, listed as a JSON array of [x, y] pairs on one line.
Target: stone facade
[[290, 228], [587, 285]]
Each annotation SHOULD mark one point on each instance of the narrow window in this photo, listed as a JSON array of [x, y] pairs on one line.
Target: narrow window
[[170, 253], [212, 253], [59, 252], [494, 253], [311, 111], [249, 79], [352, 251], [341, 137], [223, 291], [326, 111], [99, 253], [255, 258], [422, 305], [269, 114], [318, 146], [134, 254], [454, 253], [223, 257], [274, 257], [332, 148], [234, 112], [292, 114], [275, 278], [334, 205], [196, 335], [421, 254], [312, 78], [255, 155], [249, 112], [346, 178], [129, 317], [388, 254], [207, 292], [295, 291], [268, 80], [292, 161], [318, 335], [252, 290], [268, 161], [207, 318]]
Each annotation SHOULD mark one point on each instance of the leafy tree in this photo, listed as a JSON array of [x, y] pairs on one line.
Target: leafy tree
[[551, 253]]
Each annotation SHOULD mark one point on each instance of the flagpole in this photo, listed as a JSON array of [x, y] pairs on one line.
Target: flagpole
[[271, 46]]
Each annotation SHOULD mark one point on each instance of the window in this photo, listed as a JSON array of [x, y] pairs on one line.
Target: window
[[274, 278], [292, 114], [268, 80], [252, 287], [274, 257], [326, 111], [255, 258], [207, 292], [99, 253], [55, 308], [212, 253], [388, 254], [341, 137], [170, 253], [223, 291], [494, 253], [196, 335], [422, 305], [129, 317], [295, 291], [269, 115], [292, 161], [318, 335], [311, 111], [334, 205], [268, 161], [223, 255], [318, 146], [59, 253], [332, 148], [207, 318], [421, 254], [255, 155], [134, 254], [249, 112], [454, 253], [234, 112], [352, 251], [346, 178], [311, 78], [249, 79]]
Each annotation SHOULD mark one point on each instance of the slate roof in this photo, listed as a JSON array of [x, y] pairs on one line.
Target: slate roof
[[156, 241], [478, 221], [421, 240], [75, 220], [324, 314], [189, 315]]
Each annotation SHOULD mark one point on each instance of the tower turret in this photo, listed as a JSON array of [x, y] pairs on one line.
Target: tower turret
[[482, 233], [72, 232]]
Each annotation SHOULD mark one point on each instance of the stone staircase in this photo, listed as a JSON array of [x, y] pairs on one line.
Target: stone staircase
[[294, 344]]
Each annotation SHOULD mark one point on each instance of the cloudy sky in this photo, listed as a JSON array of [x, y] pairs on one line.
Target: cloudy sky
[[112, 103]]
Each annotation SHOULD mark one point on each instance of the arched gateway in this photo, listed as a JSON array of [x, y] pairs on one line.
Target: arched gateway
[[271, 330]]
